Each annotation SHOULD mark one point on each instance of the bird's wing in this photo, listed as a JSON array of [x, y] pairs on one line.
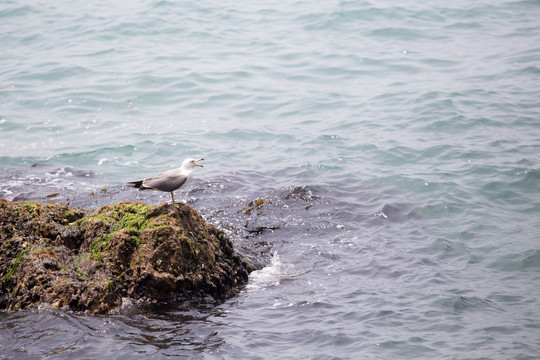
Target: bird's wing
[[167, 181]]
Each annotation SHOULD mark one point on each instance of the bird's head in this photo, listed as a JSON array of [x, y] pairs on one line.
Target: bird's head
[[190, 163]]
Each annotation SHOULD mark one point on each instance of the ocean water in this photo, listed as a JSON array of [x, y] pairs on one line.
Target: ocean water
[[394, 145]]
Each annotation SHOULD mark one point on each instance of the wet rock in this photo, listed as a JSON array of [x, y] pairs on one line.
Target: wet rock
[[96, 260]]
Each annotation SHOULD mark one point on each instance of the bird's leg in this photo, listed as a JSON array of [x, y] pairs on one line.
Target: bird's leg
[[172, 195]]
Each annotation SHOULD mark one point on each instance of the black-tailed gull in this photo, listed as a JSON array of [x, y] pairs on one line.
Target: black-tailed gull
[[169, 180]]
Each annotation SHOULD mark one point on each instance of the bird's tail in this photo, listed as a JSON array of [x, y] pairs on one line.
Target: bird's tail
[[135, 184]]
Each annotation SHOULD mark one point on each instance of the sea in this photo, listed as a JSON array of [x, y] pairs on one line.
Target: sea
[[380, 160]]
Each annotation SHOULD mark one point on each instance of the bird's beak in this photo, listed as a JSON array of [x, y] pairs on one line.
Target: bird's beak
[[198, 164]]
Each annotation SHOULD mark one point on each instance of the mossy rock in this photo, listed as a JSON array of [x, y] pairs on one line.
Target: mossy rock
[[91, 260]]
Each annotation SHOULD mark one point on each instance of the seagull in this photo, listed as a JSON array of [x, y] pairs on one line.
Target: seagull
[[169, 180]]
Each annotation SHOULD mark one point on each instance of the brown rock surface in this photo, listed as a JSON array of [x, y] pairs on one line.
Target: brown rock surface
[[91, 260]]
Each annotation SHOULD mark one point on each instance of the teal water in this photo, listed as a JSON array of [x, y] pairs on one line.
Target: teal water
[[395, 145]]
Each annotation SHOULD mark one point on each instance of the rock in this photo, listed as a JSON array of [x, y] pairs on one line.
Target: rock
[[122, 253]]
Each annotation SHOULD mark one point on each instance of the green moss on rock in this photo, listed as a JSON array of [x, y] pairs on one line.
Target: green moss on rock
[[90, 260]]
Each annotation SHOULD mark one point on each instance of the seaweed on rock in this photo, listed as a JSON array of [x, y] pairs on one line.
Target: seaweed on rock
[[91, 260]]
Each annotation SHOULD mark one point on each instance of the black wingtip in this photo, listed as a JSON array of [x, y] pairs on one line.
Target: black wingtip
[[135, 184]]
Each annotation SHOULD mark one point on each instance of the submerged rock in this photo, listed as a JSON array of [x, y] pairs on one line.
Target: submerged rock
[[91, 260]]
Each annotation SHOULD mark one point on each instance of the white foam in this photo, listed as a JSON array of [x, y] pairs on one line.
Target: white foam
[[6, 193], [267, 276]]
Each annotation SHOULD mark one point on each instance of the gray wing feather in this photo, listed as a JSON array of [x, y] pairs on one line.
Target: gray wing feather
[[165, 182]]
